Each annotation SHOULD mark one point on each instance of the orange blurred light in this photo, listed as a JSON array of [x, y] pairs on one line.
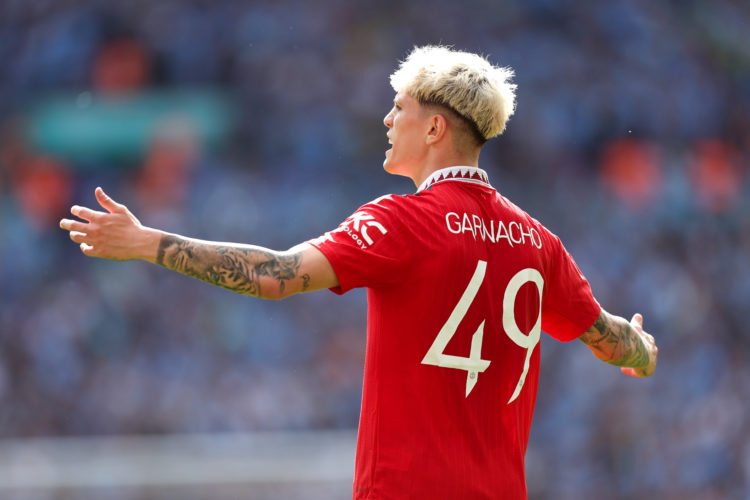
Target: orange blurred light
[[715, 175], [630, 169]]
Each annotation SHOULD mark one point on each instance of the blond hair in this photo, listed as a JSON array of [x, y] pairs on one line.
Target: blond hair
[[466, 83]]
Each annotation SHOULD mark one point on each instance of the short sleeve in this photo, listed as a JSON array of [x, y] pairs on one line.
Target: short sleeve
[[569, 307], [370, 248]]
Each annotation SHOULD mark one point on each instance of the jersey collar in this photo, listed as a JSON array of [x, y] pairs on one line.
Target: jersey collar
[[474, 175]]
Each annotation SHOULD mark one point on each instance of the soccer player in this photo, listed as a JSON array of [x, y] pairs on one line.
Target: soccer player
[[461, 282]]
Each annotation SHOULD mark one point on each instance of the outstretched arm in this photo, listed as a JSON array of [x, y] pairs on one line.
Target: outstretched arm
[[247, 269], [615, 341], [118, 235]]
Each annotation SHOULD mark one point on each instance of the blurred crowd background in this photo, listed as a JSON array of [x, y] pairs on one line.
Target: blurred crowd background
[[261, 122]]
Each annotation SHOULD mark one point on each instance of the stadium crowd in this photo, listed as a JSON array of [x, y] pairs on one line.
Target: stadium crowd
[[631, 142]]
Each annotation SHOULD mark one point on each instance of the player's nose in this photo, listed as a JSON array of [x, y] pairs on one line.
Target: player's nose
[[388, 120]]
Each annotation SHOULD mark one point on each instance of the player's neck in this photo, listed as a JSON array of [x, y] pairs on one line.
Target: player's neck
[[437, 162]]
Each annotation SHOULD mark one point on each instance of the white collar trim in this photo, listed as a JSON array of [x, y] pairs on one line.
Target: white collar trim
[[474, 175]]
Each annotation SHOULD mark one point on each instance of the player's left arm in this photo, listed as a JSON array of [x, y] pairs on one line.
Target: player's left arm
[[622, 343], [247, 269]]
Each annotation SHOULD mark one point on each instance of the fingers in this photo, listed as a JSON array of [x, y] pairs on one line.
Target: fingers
[[93, 215], [630, 372], [77, 230], [87, 250], [86, 213], [73, 225], [101, 234], [637, 372], [77, 237], [637, 318], [108, 203], [83, 243]]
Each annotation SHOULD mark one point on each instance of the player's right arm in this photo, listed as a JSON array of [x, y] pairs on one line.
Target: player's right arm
[[618, 342], [251, 270]]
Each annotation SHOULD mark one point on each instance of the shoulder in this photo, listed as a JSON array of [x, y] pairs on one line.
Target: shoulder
[[396, 206], [385, 202], [522, 214], [396, 201]]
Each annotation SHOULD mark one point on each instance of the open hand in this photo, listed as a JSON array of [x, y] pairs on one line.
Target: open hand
[[115, 234], [645, 371]]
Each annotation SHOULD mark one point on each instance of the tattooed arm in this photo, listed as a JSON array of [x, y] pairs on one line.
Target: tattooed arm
[[247, 269], [615, 341], [117, 234]]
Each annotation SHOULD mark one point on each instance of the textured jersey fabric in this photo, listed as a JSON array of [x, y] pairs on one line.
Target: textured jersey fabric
[[460, 284]]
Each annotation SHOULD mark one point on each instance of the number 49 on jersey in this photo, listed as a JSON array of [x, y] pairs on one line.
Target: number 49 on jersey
[[474, 364]]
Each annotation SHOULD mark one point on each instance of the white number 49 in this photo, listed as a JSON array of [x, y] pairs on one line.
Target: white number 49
[[474, 364]]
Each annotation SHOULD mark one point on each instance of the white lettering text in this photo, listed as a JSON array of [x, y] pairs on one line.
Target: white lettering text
[[513, 232]]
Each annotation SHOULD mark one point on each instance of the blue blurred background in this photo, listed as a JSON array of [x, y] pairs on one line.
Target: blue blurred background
[[261, 122]]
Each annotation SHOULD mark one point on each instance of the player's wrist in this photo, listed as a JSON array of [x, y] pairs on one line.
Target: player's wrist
[[147, 244]]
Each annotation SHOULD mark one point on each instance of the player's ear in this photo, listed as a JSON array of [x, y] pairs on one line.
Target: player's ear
[[438, 126]]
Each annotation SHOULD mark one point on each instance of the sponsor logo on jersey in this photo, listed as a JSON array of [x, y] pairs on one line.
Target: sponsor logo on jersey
[[363, 229]]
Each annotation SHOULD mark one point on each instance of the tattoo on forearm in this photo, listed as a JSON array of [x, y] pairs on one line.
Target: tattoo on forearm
[[617, 342], [238, 268]]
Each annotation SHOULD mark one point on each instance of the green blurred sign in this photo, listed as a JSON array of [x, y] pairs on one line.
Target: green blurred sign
[[91, 128]]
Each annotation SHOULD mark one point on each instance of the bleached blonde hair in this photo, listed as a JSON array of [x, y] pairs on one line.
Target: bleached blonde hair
[[466, 83]]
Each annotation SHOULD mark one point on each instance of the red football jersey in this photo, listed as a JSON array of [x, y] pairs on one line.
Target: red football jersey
[[461, 282]]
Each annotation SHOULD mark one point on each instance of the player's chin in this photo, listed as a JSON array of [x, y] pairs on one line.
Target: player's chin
[[388, 163], [394, 167]]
